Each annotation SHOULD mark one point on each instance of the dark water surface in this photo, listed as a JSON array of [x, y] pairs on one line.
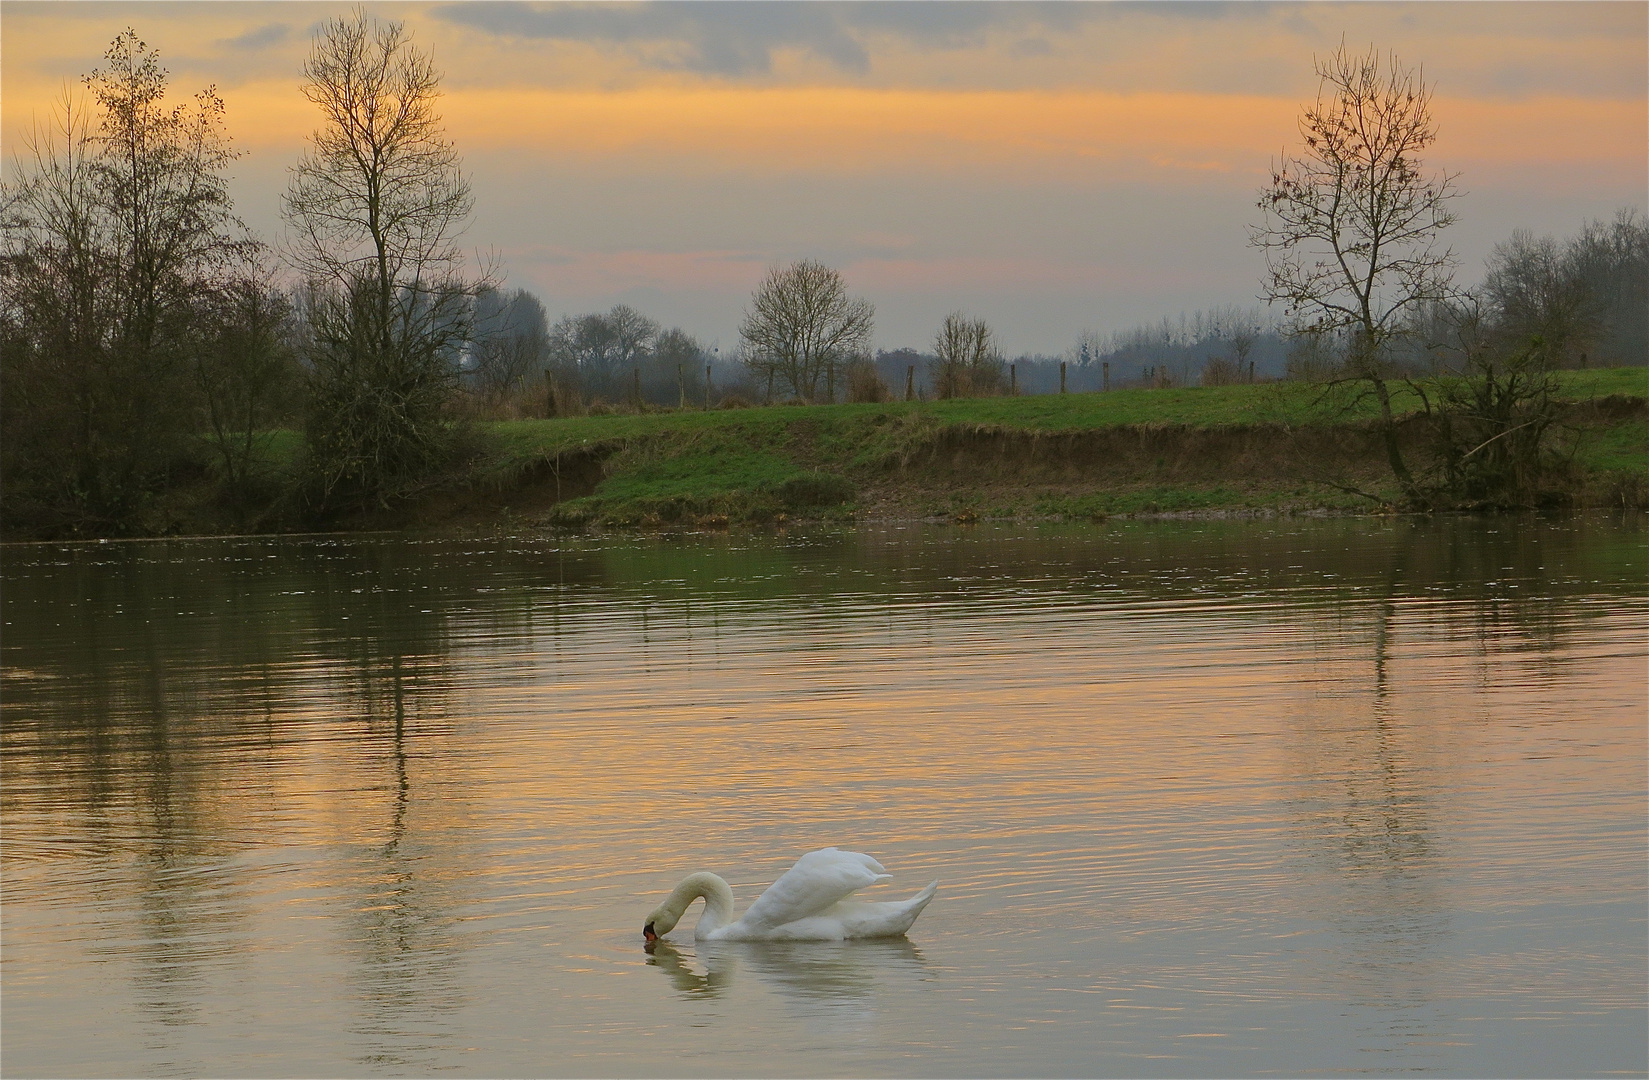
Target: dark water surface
[[1205, 799]]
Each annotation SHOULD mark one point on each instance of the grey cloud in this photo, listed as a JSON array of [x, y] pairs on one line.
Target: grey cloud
[[1204, 9], [259, 38], [719, 38], [740, 38]]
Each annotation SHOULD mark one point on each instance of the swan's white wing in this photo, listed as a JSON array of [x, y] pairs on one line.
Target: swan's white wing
[[818, 880], [839, 922]]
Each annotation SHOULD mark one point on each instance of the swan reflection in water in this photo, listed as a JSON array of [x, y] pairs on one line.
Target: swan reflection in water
[[804, 972]]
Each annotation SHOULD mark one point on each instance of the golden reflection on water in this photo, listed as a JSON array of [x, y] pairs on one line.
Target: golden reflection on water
[[1319, 791]]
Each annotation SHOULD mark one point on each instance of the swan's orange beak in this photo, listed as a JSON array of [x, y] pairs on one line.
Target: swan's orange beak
[[647, 933]]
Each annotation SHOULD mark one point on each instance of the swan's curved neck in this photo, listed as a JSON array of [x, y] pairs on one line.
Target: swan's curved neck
[[718, 901]]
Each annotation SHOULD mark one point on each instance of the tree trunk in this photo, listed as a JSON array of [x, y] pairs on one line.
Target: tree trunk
[[1388, 431]]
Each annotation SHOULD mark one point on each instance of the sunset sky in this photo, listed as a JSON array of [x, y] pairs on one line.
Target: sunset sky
[[1051, 168]]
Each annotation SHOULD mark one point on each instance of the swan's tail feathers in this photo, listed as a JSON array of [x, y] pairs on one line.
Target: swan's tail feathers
[[913, 907]]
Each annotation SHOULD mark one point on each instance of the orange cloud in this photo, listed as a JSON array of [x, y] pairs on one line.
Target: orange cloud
[[1065, 134], [1598, 139]]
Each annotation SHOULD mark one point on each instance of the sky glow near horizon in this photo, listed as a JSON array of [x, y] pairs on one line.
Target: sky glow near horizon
[[1051, 168]]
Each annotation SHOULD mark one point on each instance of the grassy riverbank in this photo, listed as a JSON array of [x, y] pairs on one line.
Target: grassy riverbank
[[1268, 448], [1276, 447]]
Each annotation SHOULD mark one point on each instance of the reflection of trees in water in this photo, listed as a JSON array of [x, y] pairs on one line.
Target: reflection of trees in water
[[1462, 557], [158, 709], [192, 917], [133, 672], [404, 898], [147, 791], [1423, 628], [1362, 815], [387, 666], [1364, 818], [1373, 767]]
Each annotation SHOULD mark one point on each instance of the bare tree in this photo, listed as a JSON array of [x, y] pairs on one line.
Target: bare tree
[[374, 210], [118, 238], [633, 335], [803, 327], [511, 341], [1494, 414], [677, 346], [1613, 260], [1243, 340], [966, 361], [1220, 371], [596, 352], [1538, 293], [1352, 225], [1314, 357], [583, 343], [163, 177], [1542, 306], [678, 364]]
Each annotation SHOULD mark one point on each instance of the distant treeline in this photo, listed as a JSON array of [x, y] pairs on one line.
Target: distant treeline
[[1588, 296], [521, 364], [1590, 292]]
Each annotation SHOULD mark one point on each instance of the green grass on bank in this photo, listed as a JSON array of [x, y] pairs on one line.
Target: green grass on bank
[[1264, 403], [745, 460], [1621, 447]]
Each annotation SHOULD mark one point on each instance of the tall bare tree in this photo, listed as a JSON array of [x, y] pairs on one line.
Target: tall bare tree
[[966, 361], [374, 211], [1352, 224], [802, 327]]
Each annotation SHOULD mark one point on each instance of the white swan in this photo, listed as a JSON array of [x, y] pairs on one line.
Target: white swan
[[808, 903]]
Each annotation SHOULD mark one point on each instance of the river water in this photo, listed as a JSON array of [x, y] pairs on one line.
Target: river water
[[1289, 797]]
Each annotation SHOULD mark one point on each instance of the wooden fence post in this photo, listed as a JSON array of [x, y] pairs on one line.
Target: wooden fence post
[[1062, 376], [910, 383]]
